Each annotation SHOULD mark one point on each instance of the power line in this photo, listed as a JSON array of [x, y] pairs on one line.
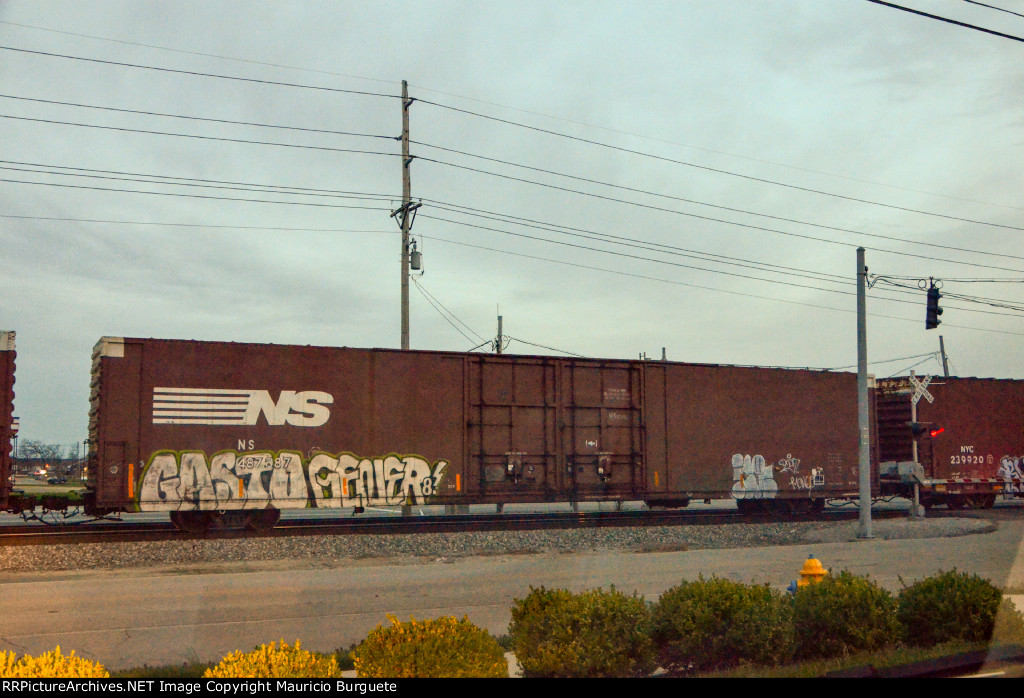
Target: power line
[[518, 109], [728, 208], [438, 307], [197, 225], [947, 20], [191, 196], [187, 181], [720, 220], [196, 53], [661, 158], [701, 287], [676, 264], [205, 138], [454, 316], [195, 73], [199, 118], [541, 346], [993, 7]]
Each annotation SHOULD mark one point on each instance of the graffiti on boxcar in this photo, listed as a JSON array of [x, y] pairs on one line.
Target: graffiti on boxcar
[[791, 465], [189, 480], [752, 478], [346, 480], [1011, 471]]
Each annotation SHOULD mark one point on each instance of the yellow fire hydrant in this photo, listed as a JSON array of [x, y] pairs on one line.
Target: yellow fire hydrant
[[811, 572]]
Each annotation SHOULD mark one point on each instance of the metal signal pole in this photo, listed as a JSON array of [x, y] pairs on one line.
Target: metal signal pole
[[862, 399]]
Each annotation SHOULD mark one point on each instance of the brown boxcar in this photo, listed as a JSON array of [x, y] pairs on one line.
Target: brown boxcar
[[7, 357], [970, 442], [201, 427]]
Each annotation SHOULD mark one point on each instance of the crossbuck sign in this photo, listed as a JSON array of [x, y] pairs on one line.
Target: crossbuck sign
[[920, 389]]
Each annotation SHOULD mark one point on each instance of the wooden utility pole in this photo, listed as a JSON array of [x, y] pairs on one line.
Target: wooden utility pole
[[406, 220]]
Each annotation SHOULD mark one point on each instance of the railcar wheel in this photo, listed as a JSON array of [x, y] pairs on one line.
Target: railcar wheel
[[956, 501], [263, 519], [191, 521], [776, 507]]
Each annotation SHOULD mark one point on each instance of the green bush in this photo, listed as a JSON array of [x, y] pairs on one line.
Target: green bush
[[841, 614], [957, 606], [718, 623], [591, 634], [441, 648], [273, 662]]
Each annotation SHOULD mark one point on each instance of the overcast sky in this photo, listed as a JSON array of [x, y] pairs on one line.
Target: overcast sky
[[629, 176]]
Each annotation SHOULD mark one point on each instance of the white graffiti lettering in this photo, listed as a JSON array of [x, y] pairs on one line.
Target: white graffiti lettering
[[233, 480], [752, 478], [789, 464], [348, 481], [1011, 471]]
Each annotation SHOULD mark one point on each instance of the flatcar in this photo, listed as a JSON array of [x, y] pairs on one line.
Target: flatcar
[[208, 430]]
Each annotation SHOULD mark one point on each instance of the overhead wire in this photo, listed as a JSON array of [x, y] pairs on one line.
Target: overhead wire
[[199, 118], [196, 136], [663, 158], [719, 220], [728, 208], [196, 73], [993, 7], [443, 313], [505, 106], [947, 20], [671, 263]]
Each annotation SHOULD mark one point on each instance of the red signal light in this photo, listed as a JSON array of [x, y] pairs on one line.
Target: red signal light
[[935, 432]]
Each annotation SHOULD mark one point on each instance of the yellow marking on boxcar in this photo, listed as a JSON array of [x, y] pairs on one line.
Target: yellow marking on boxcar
[[458, 482], [131, 481]]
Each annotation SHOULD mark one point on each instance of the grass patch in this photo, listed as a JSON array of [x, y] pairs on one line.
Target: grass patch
[[878, 660], [175, 671]]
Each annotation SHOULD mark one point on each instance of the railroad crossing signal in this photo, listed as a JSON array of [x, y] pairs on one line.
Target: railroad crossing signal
[[934, 311], [920, 389]]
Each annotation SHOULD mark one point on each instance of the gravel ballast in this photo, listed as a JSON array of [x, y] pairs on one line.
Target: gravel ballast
[[433, 547]]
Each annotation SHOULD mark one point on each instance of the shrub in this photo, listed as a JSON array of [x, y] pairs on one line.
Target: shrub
[[53, 665], [956, 606], [441, 648], [591, 634], [270, 661], [718, 623], [841, 614]]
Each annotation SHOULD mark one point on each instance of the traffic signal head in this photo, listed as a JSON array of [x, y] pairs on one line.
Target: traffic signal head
[[921, 428], [934, 311]]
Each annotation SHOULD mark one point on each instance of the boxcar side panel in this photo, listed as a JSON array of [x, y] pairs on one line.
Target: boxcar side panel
[[181, 425], [983, 429], [755, 433]]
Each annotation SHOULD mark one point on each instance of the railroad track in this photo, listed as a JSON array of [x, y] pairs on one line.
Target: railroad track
[[127, 531]]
